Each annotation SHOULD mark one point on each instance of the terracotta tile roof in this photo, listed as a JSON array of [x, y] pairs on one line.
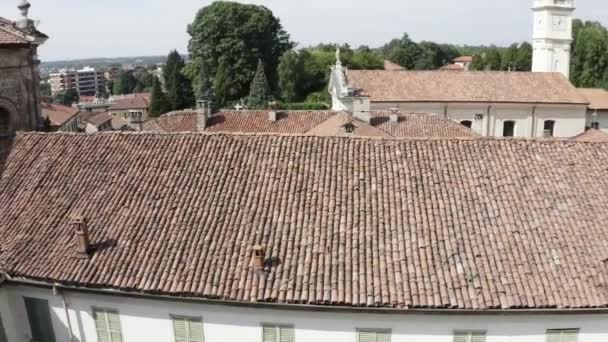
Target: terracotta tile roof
[[592, 135], [421, 125], [463, 59], [10, 35], [135, 102], [452, 67], [475, 86], [450, 224], [58, 114], [294, 122], [598, 98], [388, 65], [99, 119]]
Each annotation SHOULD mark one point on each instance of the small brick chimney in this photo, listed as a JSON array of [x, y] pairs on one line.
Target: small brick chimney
[[81, 236], [258, 257], [272, 116], [202, 115]]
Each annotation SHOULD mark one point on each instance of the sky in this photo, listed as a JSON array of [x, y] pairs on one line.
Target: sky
[[122, 28]]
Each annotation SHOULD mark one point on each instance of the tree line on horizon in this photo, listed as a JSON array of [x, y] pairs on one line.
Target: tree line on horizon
[[240, 53]]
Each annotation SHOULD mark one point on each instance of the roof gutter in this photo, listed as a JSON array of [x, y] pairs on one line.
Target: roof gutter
[[309, 307]]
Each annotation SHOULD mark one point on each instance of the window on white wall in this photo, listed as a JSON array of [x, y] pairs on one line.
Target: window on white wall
[[469, 336], [2, 332], [508, 129], [187, 329], [562, 335], [373, 335], [467, 123], [107, 324], [277, 333], [548, 128]]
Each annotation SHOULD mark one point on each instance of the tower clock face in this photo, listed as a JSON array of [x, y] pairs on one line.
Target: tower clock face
[[560, 23]]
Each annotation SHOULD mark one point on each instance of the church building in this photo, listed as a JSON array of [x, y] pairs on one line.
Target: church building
[[19, 75], [541, 103]]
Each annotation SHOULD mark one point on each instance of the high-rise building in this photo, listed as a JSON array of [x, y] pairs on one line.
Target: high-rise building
[[86, 81], [552, 35]]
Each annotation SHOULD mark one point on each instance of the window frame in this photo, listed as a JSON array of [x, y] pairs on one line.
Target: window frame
[[553, 124], [514, 129], [577, 331], [106, 309], [389, 332], [277, 326], [470, 123], [187, 317], [469, 333]]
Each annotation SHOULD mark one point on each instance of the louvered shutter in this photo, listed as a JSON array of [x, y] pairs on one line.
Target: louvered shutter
[[286, 334], [383, 336], [461, 336], [270, 334], [181, 330], [114, 322], [2, 332], [367, 336], [195, 330], [101, 324], [562, 335], [478, 336]]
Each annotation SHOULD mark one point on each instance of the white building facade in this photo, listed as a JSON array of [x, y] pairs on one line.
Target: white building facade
[[156, 320], [552, 36]]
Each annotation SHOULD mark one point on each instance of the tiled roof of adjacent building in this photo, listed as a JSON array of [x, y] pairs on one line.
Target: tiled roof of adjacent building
[[137, 101], [475, 86], [58, 114], [471, 224], [592, 135], [463, 59], [322, 123], [10, 35], [388, 65], [597, 97]]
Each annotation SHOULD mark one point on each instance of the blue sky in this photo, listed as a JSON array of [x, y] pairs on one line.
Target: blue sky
[[112, 28]]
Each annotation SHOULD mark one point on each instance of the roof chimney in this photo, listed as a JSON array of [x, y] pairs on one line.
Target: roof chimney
[[203, 111], [272, 116], [393, 118], [258, 257], [81, 236]]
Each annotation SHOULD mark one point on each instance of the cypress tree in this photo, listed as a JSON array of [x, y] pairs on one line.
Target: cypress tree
[[158, 103], [259, 94], [179, 87]]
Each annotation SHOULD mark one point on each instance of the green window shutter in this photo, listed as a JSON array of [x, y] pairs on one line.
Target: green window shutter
[[370, 335], [2, 332], [180, 328], [195, 329], [270, 334], [286, 334], [107, 324], [367, 336], [469, 336], [383, 336], [562, 335]]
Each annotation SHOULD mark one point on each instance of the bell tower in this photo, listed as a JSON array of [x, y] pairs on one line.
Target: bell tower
[[552, 36]]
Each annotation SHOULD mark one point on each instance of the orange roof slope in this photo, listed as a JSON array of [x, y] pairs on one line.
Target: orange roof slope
[[597, 97], [592, 135], [58, 114], [354, 222], [475, 86]]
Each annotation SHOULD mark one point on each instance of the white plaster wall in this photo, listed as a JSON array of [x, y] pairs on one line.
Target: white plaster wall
[[460, 113], [146, 320], [569, 120]]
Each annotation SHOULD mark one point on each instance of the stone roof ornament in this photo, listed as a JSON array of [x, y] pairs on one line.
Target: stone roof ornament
[[25, 24]]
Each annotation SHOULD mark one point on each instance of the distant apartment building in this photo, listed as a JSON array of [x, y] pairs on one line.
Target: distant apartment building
[[86, 81]]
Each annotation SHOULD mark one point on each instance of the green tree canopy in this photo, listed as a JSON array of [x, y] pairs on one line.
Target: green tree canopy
[[67, 97], [158, 102], [259, 93], [125, 83], [403, 51], [179, 88], [589, 67], [238, 35], [289, 71]]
